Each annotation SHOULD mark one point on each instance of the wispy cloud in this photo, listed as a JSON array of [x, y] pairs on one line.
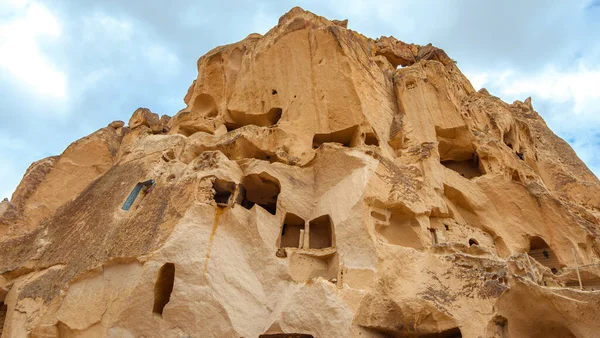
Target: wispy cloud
[[20, 53]]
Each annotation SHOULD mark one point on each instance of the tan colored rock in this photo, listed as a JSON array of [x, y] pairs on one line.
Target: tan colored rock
[[309, 188], [116, 124]]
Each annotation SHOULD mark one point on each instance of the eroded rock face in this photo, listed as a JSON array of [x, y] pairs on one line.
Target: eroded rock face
[[319, 183]]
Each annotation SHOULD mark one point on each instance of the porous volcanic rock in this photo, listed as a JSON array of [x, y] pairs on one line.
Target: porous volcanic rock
[[318, 183]]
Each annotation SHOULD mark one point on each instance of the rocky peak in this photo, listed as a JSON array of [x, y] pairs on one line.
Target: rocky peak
[[318, 183]]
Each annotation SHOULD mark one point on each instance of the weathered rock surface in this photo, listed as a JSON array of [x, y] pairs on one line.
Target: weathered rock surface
[[319, 183]]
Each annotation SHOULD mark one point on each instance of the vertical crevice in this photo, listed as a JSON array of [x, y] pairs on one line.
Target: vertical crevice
[[3, 310], [163, 287]]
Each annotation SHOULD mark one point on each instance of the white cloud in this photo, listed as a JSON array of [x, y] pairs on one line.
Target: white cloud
[[579, 86], [20, 53], [569, 101]]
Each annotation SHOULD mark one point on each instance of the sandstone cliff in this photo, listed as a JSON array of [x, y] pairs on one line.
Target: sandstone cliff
[[319, 183]]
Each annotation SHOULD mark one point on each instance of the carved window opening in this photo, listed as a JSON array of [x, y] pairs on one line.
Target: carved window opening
[[371, 139], [541, 252], [466, 168], [457, 152], [292, 232], [224, 190], [262, 189], [402, 229], [163, 287], [144, 187], [238, 119], [320, 232], [348, 137]]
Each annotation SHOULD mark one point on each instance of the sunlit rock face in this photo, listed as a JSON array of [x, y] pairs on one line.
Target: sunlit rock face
[[319, 183]]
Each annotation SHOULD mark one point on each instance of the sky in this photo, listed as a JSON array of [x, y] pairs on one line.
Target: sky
[[68, 68]]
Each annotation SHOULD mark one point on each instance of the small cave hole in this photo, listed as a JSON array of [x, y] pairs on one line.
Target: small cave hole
[[473, 241], [262, 189], [378, 216], [467, 168], [239, 119], [223, 191], [205, 105], [521, 156], [346, 137], [447, 227], [273, 92], [501, 325], [321, 232], [292, 232], [371, 139], [516, 177], [541, 252], [163, 287]]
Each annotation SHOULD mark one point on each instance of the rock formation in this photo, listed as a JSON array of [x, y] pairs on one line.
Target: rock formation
[[319, 183]]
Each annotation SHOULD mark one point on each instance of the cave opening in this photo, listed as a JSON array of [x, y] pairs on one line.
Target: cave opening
[[371, 139], [163, 287], [205, 105], [238, 119], [541, 252], [223, 191], [262, 189], [321, 232], [347, 137], [466, 168], [292, 232]]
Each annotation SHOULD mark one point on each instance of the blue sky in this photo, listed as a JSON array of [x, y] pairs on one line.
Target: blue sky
[[68, 68]]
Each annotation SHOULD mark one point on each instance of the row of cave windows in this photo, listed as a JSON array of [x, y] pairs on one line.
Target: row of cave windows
[[294, 232], [262, 190], [538, 250], [350, 137]]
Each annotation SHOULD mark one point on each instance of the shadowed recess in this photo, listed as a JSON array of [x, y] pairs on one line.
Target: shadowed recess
[[291, 231], [321, 232], [163, 287], [348, 137], [541, 252], [240, 119], [205, 105], [223, 191], [261, 189]]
